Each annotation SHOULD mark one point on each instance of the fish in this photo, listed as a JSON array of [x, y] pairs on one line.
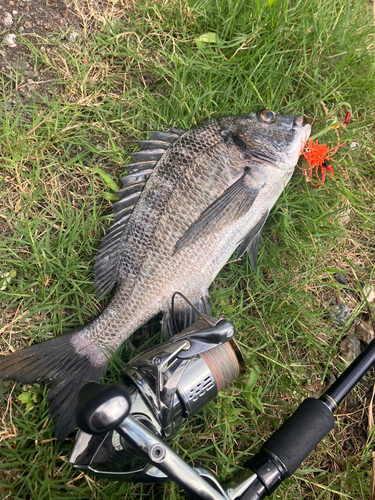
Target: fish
[[189, 199]]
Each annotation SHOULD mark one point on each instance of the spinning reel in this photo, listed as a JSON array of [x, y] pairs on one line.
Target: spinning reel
[[166, 385], [124, 427]]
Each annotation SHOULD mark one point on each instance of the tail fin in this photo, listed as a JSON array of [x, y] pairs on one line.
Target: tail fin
[[56, 363]]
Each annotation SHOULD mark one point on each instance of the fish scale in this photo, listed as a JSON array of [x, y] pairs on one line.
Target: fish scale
[[189, 199]]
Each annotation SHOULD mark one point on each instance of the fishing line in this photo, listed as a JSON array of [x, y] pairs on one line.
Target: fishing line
[[205, 317], [222, 362]]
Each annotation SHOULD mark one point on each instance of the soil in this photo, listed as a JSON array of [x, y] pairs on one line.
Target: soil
[[38, 23]]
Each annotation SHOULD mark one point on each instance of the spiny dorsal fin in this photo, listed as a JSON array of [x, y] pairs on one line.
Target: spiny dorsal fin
[[108, 258]]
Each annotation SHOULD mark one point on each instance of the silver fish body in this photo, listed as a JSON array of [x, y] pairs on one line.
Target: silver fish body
[[190, 199]]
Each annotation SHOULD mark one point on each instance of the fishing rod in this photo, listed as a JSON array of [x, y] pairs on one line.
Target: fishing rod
[[124, 427]]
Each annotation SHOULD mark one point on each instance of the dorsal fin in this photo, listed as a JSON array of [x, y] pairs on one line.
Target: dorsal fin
[[138, 172]]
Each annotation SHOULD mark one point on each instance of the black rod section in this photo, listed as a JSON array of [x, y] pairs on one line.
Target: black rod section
[[350, 377], [284, 451]]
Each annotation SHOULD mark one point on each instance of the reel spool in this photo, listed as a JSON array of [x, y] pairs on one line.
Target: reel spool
[[168, 384]]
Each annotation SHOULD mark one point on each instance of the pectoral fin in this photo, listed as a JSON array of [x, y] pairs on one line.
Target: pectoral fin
[[232, 205], [251, 242]]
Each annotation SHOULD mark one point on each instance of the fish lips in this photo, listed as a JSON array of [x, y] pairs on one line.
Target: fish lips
[[289, 121], [304, 134], [304, 131], [301, 138]]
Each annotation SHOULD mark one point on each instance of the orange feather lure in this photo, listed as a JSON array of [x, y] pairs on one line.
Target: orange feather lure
[[318, 157]]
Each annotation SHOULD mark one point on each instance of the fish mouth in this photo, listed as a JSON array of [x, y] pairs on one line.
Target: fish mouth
[[306, 131], [303, 130], [302, 136]]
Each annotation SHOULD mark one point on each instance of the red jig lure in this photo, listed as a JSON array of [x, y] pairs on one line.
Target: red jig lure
[[319, 156]]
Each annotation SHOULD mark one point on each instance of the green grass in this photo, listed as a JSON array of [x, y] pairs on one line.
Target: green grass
[[138, 72]]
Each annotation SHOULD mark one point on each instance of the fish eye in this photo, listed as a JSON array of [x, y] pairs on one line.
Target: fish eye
[[267, 116]]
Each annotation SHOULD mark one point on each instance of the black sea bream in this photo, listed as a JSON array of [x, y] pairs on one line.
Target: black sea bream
[[188, 201]]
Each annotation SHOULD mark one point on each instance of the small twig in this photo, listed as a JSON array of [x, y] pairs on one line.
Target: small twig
[[8, 409], [259, 313], [370, 315], [65, 15], [263, 323]]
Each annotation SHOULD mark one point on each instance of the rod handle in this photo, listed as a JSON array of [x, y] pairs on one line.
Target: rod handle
[[301, 433], [287, 448]]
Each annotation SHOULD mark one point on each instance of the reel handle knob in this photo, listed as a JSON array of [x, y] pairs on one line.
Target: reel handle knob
[[101, 407]]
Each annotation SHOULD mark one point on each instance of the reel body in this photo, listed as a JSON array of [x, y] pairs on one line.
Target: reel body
[[168, 384]]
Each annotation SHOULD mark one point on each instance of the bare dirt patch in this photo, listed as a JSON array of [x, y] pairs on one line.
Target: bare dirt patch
[[25, 22], [44, 25]]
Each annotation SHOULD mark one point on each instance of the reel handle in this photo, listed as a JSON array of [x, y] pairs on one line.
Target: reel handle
[[101, 407]]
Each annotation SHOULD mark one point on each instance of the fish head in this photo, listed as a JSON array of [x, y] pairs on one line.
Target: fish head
[[271, 137]]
